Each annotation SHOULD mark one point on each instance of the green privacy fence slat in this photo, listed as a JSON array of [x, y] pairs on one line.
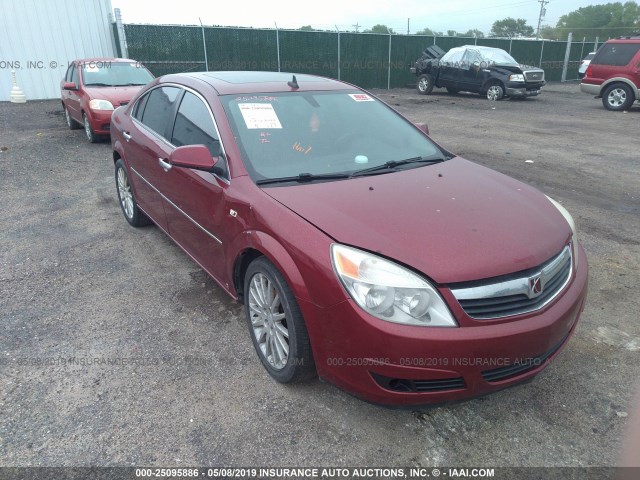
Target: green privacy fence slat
[[240, 49], [309, 52], [364, 58]]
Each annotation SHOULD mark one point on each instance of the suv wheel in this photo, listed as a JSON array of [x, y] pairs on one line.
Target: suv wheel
[[618, 97]]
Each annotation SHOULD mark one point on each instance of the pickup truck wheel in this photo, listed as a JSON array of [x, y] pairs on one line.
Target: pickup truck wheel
[[618, 97], [425, 84], [495, 92]]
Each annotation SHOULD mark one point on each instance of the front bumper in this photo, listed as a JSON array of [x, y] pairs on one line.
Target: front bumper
[[392, 364], [521, 92], [100, 121]]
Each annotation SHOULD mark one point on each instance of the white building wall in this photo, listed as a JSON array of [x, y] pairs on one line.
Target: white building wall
[[38, 39]]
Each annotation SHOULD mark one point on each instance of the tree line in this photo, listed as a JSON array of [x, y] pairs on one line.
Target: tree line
[[603, 21]]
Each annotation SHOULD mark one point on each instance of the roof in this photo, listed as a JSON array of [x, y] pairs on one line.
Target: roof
[[103, 60], [227, 83]]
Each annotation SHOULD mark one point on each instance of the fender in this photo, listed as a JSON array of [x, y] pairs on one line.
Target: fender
[[274, 251], [625, 80]]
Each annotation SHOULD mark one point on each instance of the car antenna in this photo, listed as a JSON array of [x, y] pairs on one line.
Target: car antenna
[[293, 83]]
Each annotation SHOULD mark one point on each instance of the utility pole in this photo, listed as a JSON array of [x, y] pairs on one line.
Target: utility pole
[[408, 20], [356, 26], [543, 11]]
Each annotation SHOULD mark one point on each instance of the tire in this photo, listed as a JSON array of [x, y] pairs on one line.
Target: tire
[[618, 97], [127, 199], [71, 123], [269, 301], [92, 137], [495, 91], [452, 91], [424, 84]]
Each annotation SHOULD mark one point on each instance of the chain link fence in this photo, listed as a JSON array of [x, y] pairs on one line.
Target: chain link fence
[[365, 59]]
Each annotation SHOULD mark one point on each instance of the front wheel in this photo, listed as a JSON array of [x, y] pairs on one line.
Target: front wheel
[[618, 97], [92, 137], [425, 84], [71, 123], [278, 331], [495, 92]]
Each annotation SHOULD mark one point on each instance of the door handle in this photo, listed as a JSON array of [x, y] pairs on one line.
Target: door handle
[[126, 136], [165, 165]]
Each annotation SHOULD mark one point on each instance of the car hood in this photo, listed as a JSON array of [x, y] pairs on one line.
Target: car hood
[[116, 95], [455, 221]]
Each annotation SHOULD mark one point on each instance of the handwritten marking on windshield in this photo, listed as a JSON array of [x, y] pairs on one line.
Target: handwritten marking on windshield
[[299, 148]]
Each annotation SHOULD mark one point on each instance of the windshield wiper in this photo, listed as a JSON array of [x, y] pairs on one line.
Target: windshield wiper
[[98, 85], [303, 177], [129, 84], [392, 164]]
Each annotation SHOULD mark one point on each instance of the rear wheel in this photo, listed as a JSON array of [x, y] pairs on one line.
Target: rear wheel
[[132, 213], [277, 329], [618, 97], [495, 91], [425, 84]]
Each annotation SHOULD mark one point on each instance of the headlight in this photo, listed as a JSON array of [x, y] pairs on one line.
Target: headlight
[[100, 105], [516, 78], [388, 291], [567, 216]]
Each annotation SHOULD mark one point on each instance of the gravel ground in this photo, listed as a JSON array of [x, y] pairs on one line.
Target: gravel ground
[[80, 290]]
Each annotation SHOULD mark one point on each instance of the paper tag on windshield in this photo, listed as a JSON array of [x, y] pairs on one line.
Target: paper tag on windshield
[[361, 97], [259, 115]]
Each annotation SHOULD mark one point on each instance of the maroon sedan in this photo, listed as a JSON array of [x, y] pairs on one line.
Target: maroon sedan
[[93, 87], [363, 251]]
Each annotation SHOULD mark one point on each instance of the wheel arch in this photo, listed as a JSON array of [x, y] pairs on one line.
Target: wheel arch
[[626, 81], [256, 244], [492, 81]]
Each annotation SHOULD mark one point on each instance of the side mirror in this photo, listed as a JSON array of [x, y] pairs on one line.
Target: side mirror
[[423, 127], [197, 157], [69, 86]]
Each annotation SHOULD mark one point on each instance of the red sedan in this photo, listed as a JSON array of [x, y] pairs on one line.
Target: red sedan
[[92, 88], [363, 251]]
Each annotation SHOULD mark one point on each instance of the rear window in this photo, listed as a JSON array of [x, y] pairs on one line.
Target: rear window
[[617, 54]]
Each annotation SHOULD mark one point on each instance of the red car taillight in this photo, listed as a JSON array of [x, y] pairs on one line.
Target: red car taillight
[[588, 72]]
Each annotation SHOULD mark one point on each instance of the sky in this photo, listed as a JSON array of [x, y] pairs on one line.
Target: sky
[[439, 15]]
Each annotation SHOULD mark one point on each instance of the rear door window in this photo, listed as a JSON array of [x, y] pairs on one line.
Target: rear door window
[[616, 54], [158, 112]]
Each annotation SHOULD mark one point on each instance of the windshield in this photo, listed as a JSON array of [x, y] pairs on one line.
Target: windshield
[[321, 133], [497, 56], [114, 74]]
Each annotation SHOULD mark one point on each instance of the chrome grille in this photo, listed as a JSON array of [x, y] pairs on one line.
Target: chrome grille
[[534, 76], [520, 293]]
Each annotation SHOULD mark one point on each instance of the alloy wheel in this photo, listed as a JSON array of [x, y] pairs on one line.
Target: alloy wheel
[[124, 192], [268, 321], [617, 97]]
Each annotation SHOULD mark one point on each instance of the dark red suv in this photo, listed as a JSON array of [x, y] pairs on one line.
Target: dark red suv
[[614, 73]]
